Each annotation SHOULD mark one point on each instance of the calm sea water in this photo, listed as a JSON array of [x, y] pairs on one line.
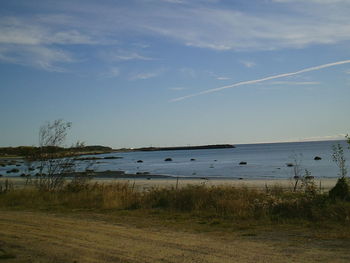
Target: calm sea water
[[263, 161]]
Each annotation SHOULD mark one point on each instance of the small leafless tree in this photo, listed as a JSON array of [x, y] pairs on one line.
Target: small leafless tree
[[297, 170], [54, 163], [303, 180]]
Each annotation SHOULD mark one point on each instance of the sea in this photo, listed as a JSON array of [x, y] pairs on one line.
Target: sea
[[263, 161]]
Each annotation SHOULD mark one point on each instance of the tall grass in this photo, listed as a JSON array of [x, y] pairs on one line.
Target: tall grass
[[216, 201]]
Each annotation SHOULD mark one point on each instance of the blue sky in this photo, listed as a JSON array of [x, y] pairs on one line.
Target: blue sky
[[151, 72]]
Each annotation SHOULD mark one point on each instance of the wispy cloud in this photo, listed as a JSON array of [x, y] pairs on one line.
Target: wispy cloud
[[112, 73], [249, 82], [188, 72], [31, 44], [123, 55], [177, 88], [301, 83], [17, 31], [217, 76], [312, 1], [228, 29], [175, 1], [146, 75], [248, 64], [222, 78], [48, 59], [202, 23]]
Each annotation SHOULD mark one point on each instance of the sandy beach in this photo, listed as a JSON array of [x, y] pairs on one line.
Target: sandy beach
[[324, 184], [142, 183]]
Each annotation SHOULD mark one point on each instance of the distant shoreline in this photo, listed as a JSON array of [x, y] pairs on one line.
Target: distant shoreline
[[179, 148]]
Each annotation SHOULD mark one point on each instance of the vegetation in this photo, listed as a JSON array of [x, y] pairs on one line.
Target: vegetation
[[222, 202], [78, 149], [342, 188], [53, 164]]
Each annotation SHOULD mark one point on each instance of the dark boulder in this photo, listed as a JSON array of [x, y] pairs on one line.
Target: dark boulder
[[14, 170]]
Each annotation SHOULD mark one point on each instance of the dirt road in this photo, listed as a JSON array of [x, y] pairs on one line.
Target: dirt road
[[40, 237]]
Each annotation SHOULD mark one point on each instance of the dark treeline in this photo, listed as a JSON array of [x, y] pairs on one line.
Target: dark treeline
[[201, 147], [28, 150]]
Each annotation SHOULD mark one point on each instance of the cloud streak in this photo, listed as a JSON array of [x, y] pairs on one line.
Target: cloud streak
[[298, 83], [248, 82]]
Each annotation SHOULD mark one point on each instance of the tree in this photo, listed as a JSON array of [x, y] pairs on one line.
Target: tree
[[304, 181], [341, 190], [297, 169], [54, 163], [339, 159]]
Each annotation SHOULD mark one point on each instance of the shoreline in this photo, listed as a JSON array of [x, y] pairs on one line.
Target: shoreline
[[142, 181], [324, 184]]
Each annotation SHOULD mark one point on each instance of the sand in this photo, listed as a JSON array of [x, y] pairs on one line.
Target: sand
[[324, 184], [144, 183], [54, 237]]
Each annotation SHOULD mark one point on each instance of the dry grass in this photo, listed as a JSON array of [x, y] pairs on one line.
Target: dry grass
[[225, 202]]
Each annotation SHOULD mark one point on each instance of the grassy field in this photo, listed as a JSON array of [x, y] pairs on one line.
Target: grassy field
[[116, 223]]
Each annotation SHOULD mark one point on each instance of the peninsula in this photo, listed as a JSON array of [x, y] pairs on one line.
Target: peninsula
[[201, 147]]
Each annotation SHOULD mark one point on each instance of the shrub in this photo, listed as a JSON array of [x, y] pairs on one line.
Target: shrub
[[341, 190]]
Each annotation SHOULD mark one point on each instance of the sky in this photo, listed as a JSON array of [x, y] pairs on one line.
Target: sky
[[140, 73]]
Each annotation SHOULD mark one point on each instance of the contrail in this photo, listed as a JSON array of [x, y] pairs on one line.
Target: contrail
[[263, 79]]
